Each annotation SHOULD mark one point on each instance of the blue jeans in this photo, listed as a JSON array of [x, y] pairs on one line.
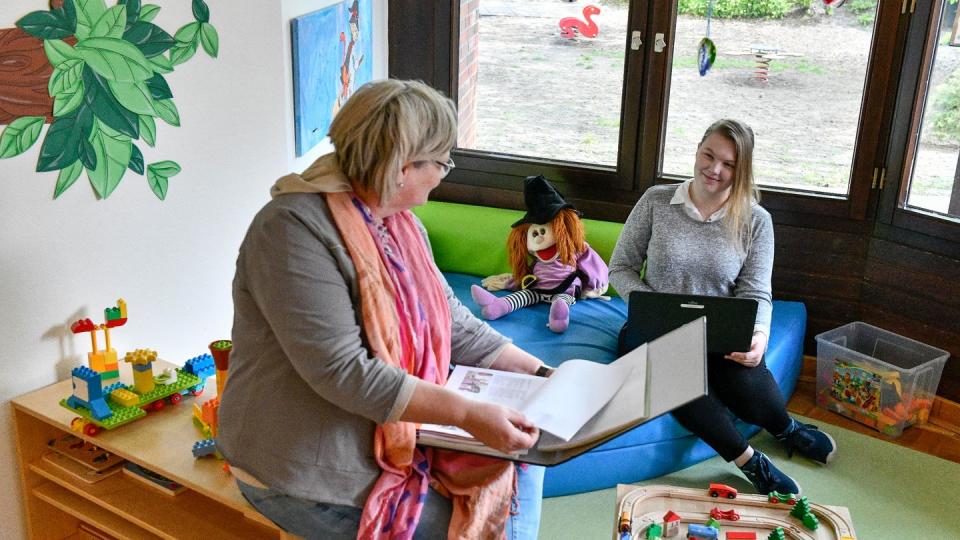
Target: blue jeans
[[311, 519]]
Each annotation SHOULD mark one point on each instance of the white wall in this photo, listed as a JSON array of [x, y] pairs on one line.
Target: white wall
[[172, 261]]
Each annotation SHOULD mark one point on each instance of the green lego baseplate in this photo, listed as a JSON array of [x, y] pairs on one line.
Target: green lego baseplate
[[124, 415]]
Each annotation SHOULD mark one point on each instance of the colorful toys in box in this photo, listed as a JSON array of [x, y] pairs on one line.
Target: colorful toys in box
[[106, 407], [876, 377]]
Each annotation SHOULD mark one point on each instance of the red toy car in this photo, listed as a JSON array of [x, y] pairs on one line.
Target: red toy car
[[729, 515], [722, 490]]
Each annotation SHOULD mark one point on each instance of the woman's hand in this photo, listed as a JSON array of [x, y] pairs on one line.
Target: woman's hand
[[500, 428], [758, 345]]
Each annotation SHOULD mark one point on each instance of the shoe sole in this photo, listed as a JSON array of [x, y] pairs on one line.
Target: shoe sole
[[832, 453]]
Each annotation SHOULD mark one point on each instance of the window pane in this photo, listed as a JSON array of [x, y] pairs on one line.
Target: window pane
[[797, 80], [525, 90], [935, 165]]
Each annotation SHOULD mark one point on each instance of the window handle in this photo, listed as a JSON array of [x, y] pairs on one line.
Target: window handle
[[635, 41], [658, 43]]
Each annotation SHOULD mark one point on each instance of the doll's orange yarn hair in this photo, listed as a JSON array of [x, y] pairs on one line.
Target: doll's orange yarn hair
[[568, 232]]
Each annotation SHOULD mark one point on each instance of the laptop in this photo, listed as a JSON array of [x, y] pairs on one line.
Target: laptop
[[730, 320]]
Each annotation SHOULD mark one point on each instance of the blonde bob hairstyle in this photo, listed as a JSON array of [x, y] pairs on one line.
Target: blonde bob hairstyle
[[738, 220], [388, 124]]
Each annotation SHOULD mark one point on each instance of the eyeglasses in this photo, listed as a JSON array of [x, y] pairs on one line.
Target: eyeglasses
[[445, 168]]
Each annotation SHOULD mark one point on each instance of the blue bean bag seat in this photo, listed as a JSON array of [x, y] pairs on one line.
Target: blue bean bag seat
[[469, 243], [658, 447]]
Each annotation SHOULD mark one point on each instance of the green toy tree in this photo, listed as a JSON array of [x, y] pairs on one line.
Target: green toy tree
[[803, 512], [802, 507], [108, 89], [777, 534]]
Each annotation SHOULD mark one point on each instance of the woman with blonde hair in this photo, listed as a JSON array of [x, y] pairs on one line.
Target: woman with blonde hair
[[709, 236], [344, 332]]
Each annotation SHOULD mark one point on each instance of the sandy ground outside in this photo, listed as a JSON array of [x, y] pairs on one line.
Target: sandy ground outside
[[542, 95]]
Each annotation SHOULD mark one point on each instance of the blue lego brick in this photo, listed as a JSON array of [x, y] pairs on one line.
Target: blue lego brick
[[205, 447], [202, 366]]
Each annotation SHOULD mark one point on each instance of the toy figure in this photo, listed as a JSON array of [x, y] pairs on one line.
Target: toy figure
[[550, 259]]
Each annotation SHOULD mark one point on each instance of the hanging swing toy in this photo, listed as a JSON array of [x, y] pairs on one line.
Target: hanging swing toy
[[706, 51]]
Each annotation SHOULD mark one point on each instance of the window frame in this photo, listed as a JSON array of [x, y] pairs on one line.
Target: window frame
[[913, 223], [603, 192]]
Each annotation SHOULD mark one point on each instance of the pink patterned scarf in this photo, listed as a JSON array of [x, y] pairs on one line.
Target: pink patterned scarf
[[406, 319]]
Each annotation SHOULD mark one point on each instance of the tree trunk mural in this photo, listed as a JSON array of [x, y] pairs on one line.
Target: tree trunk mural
[[24, 74]]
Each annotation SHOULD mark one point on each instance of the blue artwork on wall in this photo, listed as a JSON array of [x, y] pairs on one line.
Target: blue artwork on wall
[[332, 57]]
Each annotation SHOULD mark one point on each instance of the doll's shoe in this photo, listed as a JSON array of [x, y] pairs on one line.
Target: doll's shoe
[[491, 307], [559, 316]]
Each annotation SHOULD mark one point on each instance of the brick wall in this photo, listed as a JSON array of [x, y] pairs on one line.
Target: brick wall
[[467, 78]]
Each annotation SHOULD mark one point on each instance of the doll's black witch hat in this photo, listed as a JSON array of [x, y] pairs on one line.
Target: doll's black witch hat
[[543, 201]]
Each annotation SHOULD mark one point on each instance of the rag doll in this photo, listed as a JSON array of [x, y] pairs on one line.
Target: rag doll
[[550, 260]]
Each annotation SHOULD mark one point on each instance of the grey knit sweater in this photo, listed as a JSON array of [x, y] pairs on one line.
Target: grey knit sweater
[[685, 255]]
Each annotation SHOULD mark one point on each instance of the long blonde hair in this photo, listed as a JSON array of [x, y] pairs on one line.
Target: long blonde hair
[[738, 220], [386, 124]]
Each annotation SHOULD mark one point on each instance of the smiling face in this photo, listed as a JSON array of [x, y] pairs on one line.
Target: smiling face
[[541, 242], [715, 166]]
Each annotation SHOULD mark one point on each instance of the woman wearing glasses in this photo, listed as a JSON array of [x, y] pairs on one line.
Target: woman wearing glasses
[[343, 334]]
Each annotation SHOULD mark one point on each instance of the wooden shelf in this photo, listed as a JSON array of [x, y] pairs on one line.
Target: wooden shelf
[[88, 512], [57, 502]]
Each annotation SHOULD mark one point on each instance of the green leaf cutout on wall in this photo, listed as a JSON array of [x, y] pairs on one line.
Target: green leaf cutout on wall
[[209, 39], [106, 106], [167, 111], [148, 12], [149, 38], [62, 145], [136, 160], [20, 135], [111, 24], [108, 87], [58, 51], [113, 150], [67, 177], [88, 13], [200, 11], [133, 10], [114, 59], [47, 25], [158, 175], [148, 129]]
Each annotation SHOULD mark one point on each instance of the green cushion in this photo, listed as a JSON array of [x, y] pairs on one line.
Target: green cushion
[[472, 239]]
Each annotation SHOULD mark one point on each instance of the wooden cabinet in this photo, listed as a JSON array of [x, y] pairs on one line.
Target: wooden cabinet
[[58, 503]]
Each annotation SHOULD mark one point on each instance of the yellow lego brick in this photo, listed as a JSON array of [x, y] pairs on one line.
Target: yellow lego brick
[[141, 356], [125, 397]]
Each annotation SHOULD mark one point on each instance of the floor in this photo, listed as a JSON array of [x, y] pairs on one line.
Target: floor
[[939, 437]]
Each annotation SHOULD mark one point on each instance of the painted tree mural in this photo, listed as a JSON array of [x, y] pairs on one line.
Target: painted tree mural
[[97, 75]]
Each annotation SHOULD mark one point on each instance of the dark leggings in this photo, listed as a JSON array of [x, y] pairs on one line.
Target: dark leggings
[[749, 393]]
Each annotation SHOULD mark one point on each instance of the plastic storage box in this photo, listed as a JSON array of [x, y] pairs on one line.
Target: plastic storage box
[[876, 377]]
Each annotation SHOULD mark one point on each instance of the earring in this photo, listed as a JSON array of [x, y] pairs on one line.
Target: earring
[[400, 184]]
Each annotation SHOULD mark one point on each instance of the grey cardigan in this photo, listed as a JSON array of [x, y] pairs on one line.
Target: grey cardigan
[[304, 395], [683, 255]]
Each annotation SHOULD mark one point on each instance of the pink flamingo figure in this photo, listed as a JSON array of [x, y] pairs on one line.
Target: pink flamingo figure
[[571, 26]]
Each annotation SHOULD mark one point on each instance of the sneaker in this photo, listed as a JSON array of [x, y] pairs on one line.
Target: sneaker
[[810, 441], [766, 477]]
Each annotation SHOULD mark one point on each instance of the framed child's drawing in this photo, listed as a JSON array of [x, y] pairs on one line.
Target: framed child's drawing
[[331, 58]]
